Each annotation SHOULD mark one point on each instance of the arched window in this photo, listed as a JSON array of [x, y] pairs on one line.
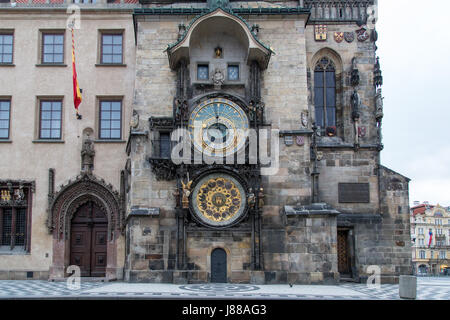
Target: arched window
[[325, 93]]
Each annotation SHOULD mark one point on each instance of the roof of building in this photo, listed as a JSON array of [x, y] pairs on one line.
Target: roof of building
[[421, 208]]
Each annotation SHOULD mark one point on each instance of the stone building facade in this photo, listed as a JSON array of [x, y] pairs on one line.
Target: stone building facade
[[42, 151], [252, 152], [430, 234], [330, 209]]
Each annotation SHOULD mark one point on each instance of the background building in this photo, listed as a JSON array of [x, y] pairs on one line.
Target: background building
[[41, 139], [430, 257], [103, 193]]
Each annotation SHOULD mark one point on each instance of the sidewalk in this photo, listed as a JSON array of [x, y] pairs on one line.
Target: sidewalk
[[37, 289]]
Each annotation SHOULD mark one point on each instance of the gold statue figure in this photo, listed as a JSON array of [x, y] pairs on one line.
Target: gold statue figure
[[186, 194]]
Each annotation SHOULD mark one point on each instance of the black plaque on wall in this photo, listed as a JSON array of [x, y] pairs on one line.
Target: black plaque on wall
[[354, 193]]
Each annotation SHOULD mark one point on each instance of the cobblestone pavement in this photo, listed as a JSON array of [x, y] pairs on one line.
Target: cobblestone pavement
[[427, 289]]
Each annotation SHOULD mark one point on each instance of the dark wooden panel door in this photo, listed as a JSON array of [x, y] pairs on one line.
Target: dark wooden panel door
[[88, 240], [343, 253], [80, 248], [98, 253], [219, 266]]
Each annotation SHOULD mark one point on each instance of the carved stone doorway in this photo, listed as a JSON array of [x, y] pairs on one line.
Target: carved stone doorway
[[219, 266], [88, 240]]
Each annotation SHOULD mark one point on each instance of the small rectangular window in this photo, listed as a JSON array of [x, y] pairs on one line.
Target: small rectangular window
[[164, 145], [6, 48], [52, 48], [5, 114], [50, 119], [110, 119], [233, 72], [202, 72], [111, 48]]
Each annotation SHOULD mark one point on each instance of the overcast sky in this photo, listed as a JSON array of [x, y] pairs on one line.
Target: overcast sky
[[414, 51]]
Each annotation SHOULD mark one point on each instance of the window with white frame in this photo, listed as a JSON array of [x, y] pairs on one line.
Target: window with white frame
[[422, 254]]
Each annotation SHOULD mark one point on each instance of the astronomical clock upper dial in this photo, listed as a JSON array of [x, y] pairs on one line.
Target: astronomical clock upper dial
[[218, 127], [219, 200]]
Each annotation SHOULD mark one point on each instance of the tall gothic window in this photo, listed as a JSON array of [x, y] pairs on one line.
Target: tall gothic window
[[325, 93]]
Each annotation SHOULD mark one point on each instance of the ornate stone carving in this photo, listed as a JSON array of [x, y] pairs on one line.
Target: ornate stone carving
[[377, 77], [214, 4], [161, 122], [12, 193], [163, 169], [85, 188]]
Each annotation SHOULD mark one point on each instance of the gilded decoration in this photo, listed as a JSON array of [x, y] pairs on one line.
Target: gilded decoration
[[219, 200]]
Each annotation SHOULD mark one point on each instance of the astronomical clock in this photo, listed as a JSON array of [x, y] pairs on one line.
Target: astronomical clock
[[219, 195]]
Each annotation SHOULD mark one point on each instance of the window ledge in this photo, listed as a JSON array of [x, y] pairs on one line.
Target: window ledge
[[51, 65], [15, 252], [48, 141], [110, 65], [7, 65], [109, 141], [5, 141]]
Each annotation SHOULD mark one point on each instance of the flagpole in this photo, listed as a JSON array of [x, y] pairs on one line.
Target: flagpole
[[76, 89]]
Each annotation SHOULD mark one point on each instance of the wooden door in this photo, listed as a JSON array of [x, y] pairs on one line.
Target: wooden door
[[344, 267], [88, 240], [219, 266]]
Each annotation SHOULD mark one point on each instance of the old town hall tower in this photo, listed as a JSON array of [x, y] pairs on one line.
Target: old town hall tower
[[296, 80]]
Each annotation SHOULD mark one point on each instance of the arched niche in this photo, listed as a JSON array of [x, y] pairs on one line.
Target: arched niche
[[213, 25]]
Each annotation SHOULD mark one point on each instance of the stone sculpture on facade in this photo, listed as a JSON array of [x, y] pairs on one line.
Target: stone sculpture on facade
[[134, 122], [356, 102], [87, 155], [355, 74], [377, 77], [379, 113], [251, 198], [218, 78]]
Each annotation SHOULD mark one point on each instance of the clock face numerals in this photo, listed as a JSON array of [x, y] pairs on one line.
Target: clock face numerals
[[218, 127], [218, 200]]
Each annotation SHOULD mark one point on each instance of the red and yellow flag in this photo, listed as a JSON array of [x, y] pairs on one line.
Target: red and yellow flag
[[76, 88]]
